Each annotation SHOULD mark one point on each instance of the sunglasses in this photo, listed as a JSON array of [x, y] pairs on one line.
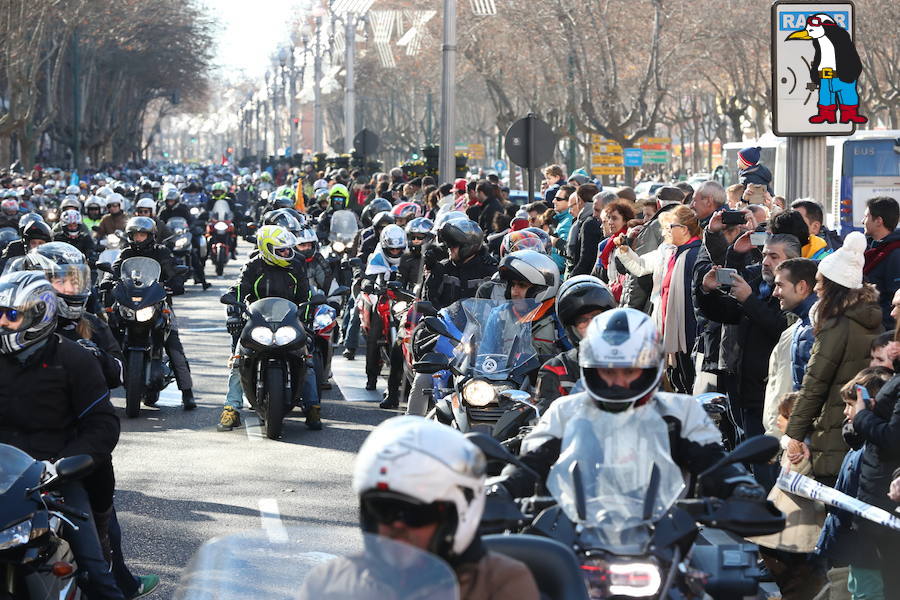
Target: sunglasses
[[560, 198], [418, 238], [11, 314], [387, 511]]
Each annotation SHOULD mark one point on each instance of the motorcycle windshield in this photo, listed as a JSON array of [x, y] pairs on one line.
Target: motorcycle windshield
[[192, 199], [140, 271], [311, 565], [13, 463], [609, 460], [496, 339], [343, 226], [221, 211], [177, 224]]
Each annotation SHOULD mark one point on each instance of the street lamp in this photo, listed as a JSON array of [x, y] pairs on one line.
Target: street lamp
[[350, 13], [446, 157]]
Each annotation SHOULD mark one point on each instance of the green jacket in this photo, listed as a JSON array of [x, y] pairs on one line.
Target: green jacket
[[839, 352]]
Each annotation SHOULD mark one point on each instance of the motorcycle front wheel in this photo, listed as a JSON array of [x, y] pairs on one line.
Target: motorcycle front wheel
[[134, 383], [275, 400]]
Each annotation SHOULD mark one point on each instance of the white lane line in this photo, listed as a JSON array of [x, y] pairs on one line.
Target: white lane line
[[271, 520], [203, 330], [252, 427], [170, 396]]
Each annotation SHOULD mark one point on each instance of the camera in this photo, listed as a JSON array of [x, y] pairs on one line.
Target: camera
[[733, 217]]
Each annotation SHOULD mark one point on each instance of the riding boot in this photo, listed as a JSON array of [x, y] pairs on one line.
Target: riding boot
[[187, 400]]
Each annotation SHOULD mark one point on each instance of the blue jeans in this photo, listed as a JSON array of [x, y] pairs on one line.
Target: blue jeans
[[834, 91], [351, 337], [309, 391], [85, 544]]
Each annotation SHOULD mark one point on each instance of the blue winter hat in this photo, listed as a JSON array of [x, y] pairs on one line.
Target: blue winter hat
[[750, 155]]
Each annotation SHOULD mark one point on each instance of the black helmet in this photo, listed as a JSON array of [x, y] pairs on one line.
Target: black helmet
[[382, 220], [30, 295], [464, 234], [36, 230], [378, 205], [140, 225], [580, 295], [26, 219], [284, 218], [62, 262]]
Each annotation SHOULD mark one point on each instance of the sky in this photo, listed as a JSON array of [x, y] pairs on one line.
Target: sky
[[250, 31]]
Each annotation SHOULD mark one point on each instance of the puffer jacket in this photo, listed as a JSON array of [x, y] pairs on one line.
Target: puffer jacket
[[839, 352], [880, 429]]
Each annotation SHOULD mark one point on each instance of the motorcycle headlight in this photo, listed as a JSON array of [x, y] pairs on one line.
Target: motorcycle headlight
[[221, 227], [262, 335], [478, 392], [285, 335], [182, 243], [145, 314], [16, 535], [635, 580], [338, 247]]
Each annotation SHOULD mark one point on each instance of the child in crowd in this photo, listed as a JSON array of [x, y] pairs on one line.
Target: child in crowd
[[880, 351], [750, 171], [840, 543]]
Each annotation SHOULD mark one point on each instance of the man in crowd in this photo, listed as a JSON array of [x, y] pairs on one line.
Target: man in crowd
[[882, 258], [707, 199]]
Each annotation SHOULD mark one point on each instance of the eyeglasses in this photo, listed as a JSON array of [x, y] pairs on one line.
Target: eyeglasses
[[11, 314], [674, 225], [388, 510]]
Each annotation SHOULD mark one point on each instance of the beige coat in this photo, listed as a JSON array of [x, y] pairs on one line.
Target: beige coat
[[496, 577]]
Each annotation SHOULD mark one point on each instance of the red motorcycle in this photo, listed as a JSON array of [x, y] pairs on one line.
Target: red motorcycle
[[221, 235], [379, 308]]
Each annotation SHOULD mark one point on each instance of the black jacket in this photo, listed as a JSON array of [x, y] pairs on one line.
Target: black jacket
[[448, 282], [557, 376], [259, 279], [179, 210], [84, 242], [57, 403], [589, 237], [484, 214], [112, 360], [880, 429], [885, 275], [10, 221], [410, 268]]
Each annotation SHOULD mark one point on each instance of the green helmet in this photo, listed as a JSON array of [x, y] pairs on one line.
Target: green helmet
[[285, 191], [276, 245]]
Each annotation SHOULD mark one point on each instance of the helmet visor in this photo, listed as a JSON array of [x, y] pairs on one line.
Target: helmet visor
[[70, 280], [639, 354]]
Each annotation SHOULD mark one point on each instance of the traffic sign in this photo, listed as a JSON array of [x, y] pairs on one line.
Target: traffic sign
[[634, 157], [794, 46], [543, 142], [607, 159], [604, 170], [366, 142], [476, 151], [500, 166]]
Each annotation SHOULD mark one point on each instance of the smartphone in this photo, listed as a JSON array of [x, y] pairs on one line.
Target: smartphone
[[733, 217], [725, 276], [759, 238], [867, 399]]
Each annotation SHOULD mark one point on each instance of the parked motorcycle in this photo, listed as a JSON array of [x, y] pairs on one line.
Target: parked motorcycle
[[274, 359], [494, 354], [145, 318], [616, 501], [220, 235], [36, 562]]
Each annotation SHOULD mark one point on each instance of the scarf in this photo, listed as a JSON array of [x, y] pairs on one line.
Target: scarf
[[607, 250], [874, 256]]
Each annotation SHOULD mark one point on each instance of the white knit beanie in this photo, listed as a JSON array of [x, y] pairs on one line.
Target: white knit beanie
[[845, 265]]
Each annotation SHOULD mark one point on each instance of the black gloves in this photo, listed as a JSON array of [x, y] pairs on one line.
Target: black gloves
[[89, 345], [748, 491], [433, 255]]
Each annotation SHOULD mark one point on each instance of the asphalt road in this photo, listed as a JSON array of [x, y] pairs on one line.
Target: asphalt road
[[180, 482]]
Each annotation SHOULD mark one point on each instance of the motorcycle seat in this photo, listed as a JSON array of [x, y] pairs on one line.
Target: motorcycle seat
[[554, 566]]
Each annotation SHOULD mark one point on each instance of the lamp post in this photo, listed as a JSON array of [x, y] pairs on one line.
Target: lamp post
[[292, 103], [282, 62], [266, 116], [318, 121], [447, 158]]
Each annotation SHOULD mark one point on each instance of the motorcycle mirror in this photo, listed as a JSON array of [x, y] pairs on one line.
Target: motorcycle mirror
[[105, 267], [435, 325], [74, 467], [521, 397], [758, 449], [494, 449], [713, 403], [182, 269], [317, 300], [578, 485], [355, 262], [228, 298], [426, 308], [431, 363], [394, 285], [250, 238], [342, 290]]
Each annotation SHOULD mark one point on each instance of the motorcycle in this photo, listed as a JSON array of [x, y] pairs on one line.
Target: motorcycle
[[112, 247], [220, 235], [616, 501], [305, 565], [341, 233], [181, 245], [273, 362], [325, 328], [140, 303], [493, 355], [36, 561], [378, 307]]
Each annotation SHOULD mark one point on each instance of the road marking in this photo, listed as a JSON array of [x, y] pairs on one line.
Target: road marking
[[271, 520], [170, 396], [253, 428], [203, 330], [350, 377]]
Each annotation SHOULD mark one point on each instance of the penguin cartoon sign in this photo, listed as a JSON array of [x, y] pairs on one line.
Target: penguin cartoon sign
[[815, 69]]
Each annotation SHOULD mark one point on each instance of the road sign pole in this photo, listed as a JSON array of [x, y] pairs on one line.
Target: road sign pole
[[806, 168], [529, 140]]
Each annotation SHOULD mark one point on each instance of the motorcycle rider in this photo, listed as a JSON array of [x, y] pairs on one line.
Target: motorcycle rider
[[71, 230], [55, 404], [34, 233], [146, 207], [338, 199], [578, 300], [114, 219], [93, 213], [273, 272], [621, 362], [382, 267], [140, 235], [175, 208], [467, 266], [318, 270], [434, 501], [9, 213], [419, 233]]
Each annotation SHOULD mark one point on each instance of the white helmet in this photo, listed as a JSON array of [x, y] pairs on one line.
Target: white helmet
[[70, 202], [393, 242], [537, 269], [73, 190], [622, 338], [414, 462], [146, 203], [104, 191]]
